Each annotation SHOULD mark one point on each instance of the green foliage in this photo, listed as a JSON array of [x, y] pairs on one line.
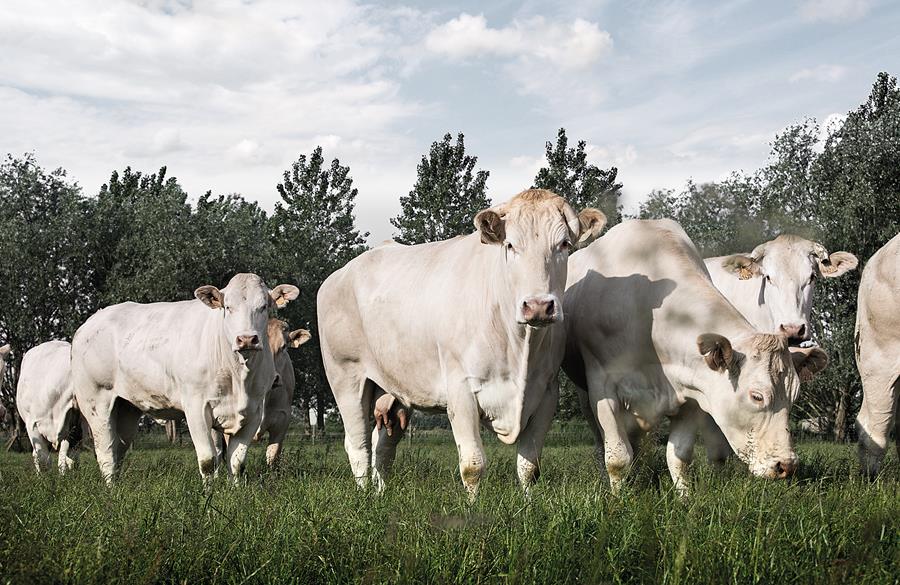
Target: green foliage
[[45, 259], [569, 174], [447, 195], [308, 523], [313, 231]]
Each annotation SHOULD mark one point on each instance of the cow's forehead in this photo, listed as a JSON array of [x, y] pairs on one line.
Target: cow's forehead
[[538, 214], [247, 287], [277, 334], [789, 255]]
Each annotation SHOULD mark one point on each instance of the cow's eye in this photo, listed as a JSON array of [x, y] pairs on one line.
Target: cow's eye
[[509, 247], [757, 397]]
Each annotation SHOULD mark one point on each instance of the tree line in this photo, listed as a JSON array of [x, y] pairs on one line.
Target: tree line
[[64, 254]]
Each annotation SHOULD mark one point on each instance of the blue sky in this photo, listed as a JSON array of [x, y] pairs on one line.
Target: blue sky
[[227, 94]]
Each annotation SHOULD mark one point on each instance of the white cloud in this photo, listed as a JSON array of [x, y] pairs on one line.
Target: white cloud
[[822, 73], [576, 45], [834, 10]]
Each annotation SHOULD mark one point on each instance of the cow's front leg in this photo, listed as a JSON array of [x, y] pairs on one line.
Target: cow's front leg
[[199, 422], [718, 450], [609, 415], [531, 439], [239, 444], [465, 421], [680, 446]]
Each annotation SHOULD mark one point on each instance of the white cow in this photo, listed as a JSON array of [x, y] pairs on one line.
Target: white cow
[[47, 404], [205, 358], [773, 287], [650, 336], [277, 410], [878, 354], [470, 325]]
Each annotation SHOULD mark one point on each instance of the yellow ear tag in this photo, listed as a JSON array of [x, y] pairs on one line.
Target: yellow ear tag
[[744, 273]]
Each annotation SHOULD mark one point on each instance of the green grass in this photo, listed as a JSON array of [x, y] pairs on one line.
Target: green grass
[[307, 523]]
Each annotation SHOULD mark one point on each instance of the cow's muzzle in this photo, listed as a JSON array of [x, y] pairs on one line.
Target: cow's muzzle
[[247, 343], [540, 311]]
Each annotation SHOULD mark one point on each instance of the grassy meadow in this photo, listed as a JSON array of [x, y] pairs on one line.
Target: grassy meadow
[[308, 523]]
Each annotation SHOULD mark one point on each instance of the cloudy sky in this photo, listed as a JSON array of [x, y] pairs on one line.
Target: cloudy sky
[[227, 94]]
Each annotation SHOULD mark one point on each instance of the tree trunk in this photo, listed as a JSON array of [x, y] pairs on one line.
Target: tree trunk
[[840, 416]]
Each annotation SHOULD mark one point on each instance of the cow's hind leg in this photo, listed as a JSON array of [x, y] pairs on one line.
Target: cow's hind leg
[[875, 419], [384, 450], [97, 411], [125, 418], [40, 451], [354, 399]]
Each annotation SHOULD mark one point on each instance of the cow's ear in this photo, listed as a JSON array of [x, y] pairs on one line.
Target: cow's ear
[[283, 294], [298, 337], [716, 350], [592, 221], [210, 296], [837, 263], [4, 351], [491, 226], [808, 361], [743, 266]]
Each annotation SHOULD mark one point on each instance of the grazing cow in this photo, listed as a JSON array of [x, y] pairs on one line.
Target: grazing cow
[[277, 411], [205, 358], [878, 354], [470, 325], [773, 288], [650, 336], [46, 403]]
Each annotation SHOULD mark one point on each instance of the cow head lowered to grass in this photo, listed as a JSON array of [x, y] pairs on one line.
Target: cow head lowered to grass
[[754, 383]]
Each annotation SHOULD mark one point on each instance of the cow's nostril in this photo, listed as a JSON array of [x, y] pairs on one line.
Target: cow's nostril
[[549, 309], [254, 340], [802, 331]]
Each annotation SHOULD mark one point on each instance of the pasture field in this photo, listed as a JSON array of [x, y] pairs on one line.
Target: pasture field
[[308, 523]]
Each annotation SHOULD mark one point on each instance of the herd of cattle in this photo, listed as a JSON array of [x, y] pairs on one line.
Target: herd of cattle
[[479, 326]]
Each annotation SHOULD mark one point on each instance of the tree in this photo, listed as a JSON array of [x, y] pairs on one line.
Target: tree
[[856, 182], [43, 258], [569, 174], [313, 228], [143, 245], [447, 195]]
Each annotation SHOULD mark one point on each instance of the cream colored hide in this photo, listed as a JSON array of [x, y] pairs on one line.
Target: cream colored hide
[[277, 410], [471, 326], [773, 287], [4, 355], [46, 403], [878, 354], [649, 336], [206, 358]]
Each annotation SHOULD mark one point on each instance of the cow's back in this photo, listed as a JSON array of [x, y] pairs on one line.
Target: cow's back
[[44, 393]]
